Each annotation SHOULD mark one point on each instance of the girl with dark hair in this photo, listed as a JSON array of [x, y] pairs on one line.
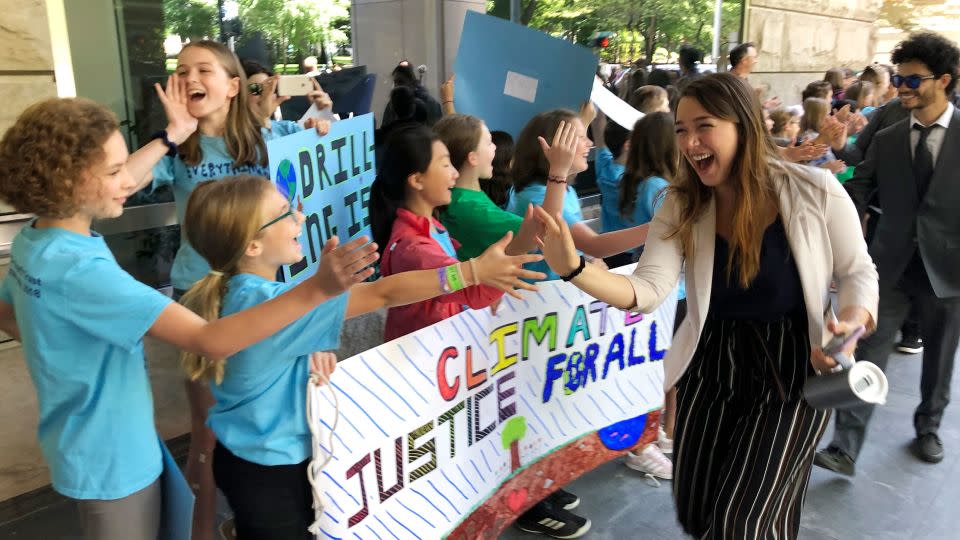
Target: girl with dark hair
[[498, 186], [404, 76], [762, 240], [415, 177]]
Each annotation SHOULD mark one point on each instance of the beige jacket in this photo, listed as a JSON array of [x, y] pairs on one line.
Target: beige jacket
[[825, 236]]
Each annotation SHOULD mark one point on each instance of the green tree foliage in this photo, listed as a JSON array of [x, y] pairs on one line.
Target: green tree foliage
[[642, 27], [297, 27], [191, 19]]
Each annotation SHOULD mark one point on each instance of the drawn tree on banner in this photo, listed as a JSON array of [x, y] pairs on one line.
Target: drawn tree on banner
[[513, 431]]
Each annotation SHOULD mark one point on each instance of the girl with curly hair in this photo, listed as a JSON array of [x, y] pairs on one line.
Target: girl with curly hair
[[82, 319]]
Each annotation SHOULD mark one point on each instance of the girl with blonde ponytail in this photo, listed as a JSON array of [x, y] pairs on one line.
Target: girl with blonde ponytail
[[246, 230]]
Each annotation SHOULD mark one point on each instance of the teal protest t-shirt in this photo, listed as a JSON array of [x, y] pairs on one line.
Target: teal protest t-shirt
[[216, 163], [82, 320], [534, 194], [260, 409]]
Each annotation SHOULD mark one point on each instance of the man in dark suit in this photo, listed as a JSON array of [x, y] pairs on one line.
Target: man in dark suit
[[913, 167]]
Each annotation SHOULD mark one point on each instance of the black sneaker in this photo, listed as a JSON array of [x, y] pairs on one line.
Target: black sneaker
[[910, 345], [928, 448], [834, 459], [564, 499], [553, 521]]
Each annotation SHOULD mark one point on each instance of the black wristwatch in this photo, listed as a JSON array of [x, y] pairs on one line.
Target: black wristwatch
[[162, 135], [575, 273]]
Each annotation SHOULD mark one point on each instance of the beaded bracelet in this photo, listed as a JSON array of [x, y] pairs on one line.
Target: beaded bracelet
[[556, 179], [473, 270]]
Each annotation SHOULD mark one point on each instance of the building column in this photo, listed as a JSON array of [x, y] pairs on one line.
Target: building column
[[425, 32]]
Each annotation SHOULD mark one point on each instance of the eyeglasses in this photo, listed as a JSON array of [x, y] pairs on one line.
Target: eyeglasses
[[292, 214], [913, 81], [255, 88]]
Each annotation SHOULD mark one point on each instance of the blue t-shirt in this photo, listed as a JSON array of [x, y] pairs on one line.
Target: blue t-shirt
[[650, 195], [216, 163], [609, 173], [82, 320], [260, 409], [535, 193]]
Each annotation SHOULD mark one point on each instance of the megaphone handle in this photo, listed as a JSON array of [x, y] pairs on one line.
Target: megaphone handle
[[844, 360]]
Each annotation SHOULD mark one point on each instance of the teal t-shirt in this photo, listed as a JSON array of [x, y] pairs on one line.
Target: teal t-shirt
[[442, 237], [609, 174], [260, 409], [535, 193], [82, 320], [188, 265], [650, 195]]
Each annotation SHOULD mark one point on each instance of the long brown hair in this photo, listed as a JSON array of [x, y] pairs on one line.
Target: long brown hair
[[530, 166], [653, 152], [242, 135], [730, 98], [222, 218]]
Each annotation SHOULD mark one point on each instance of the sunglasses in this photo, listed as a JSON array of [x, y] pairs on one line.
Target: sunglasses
[[288, 214], [913, 81], [255, 88]]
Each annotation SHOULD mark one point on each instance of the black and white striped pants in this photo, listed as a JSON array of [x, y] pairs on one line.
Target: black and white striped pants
[[745, 437]]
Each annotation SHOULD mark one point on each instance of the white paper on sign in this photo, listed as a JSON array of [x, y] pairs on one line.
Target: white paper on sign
[[615, 108], [313, 112], [521, 87]]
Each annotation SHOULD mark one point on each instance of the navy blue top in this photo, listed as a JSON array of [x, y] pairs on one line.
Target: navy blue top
[[775, 292]]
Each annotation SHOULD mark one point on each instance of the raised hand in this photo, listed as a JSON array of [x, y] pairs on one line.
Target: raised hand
[[835, 166], [772, 103], [805, 152], [269, 100], [557, 243], [322, 366], [526, 238], [318, 97], [342, 267], [322, 126], [446, 90], [180, 123], [587, 112], [561, 153], [505, 272], [834, 131]]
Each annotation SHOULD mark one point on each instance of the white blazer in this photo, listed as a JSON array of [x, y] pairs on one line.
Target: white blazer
[[825, 237]]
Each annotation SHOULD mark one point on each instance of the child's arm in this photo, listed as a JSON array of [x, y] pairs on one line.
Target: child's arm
[[497, 273], [8, 321], [607, 244], [599, 125], [560, 154], [446, 94], [340, 268], [180, 125]]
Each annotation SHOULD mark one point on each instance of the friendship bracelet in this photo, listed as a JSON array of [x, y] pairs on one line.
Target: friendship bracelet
[[455, 277], [473, 270], [442, 274], [556, 179]]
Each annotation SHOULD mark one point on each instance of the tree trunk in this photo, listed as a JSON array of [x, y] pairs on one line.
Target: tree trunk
[[528, 12], [515, 455], [649, 38]]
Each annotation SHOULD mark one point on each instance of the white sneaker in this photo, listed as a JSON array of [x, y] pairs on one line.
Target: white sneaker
[[665, 444], [650, 461]]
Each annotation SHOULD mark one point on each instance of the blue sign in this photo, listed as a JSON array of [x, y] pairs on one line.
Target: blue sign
[[507, 73], [328, 179]]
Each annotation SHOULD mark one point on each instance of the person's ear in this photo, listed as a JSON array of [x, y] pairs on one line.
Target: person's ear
[[415, 181], [254, 249], [472, 159], [234, 87], [943, 81]]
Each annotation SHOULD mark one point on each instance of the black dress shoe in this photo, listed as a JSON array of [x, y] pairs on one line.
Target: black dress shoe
[[928, 448], [834, 459]]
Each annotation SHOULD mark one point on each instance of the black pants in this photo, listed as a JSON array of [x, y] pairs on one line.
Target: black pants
[[745, 437], [268, 502], [939, 320]]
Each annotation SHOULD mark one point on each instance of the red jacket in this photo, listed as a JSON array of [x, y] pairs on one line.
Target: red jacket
[[412, 248]]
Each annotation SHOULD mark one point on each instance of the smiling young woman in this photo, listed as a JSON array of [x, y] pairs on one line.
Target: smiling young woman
[[761, 240]]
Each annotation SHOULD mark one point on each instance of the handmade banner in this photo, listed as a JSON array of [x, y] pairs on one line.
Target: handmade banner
[[506, 72], [328, 179], [455, 430]]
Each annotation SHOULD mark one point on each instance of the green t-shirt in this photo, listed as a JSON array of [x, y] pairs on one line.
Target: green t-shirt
[[476, 222]]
